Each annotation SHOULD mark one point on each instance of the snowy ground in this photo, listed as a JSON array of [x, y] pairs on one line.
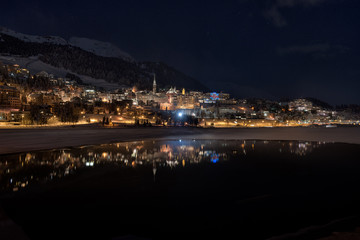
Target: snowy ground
[[21, 140]]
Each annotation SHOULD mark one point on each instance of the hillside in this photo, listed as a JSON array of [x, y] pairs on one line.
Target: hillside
[[99, 48], [77, 60]]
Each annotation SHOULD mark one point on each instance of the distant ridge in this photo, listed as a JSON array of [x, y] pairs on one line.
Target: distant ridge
[[34, 38]]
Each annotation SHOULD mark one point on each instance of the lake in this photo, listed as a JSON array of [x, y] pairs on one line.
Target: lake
[[178, 189]]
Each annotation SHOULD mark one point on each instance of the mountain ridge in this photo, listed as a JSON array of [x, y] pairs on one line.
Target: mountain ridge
[[77, 60], [100, 48], [33, 38]]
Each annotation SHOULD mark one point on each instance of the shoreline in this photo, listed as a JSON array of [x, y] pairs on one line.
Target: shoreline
[[34, 139]]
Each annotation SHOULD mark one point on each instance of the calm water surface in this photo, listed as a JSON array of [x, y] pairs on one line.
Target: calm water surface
[[179, 189]]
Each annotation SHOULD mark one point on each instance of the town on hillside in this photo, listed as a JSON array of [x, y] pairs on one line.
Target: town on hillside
[[44, 99]]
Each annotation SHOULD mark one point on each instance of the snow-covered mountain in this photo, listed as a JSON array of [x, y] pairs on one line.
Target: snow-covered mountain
[[100, 62], [99, 48], [34, 38]]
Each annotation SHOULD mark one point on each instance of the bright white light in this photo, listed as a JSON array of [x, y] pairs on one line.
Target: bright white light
[[180, 114], [89, 164]]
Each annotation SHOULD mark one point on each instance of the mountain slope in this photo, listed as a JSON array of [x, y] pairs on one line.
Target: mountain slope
[[99, 48], [111, 69], [34, 38]]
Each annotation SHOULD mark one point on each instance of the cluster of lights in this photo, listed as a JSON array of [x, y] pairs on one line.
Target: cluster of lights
[[170, 154]]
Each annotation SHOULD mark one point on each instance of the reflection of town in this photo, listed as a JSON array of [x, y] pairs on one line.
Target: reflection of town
[[19, 170]]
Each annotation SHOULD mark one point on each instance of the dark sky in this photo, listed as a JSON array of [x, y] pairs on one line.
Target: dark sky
[[259, 48]]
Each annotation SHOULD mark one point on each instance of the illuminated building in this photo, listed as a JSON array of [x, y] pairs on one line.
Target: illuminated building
[[154, 85], [300, 105], [9, 97]]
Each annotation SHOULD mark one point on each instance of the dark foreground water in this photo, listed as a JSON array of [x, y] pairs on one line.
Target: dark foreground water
[[184, 189]]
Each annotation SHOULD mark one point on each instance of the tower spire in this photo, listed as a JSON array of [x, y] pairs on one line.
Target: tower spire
[[154, 84]]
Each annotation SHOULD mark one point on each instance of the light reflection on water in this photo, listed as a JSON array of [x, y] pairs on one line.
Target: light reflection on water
[[17, 171]]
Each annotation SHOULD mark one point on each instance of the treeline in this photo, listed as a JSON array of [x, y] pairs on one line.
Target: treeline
[[319, 103], [75, 78], [38, 82], [354, 108], [64, 112]]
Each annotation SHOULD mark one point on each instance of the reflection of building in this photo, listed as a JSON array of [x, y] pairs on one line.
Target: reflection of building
[[153, 154], [302, 148], [154, 169]]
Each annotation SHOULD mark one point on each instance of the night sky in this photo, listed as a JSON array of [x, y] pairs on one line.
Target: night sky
[[250, 48]]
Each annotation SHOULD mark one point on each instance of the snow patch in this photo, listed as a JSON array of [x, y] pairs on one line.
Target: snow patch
[[104, 49]]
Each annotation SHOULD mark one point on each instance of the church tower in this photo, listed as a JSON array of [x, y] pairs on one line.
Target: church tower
[[154, 85]]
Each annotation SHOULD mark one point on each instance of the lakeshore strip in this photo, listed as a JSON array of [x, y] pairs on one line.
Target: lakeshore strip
[[23, 140]]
